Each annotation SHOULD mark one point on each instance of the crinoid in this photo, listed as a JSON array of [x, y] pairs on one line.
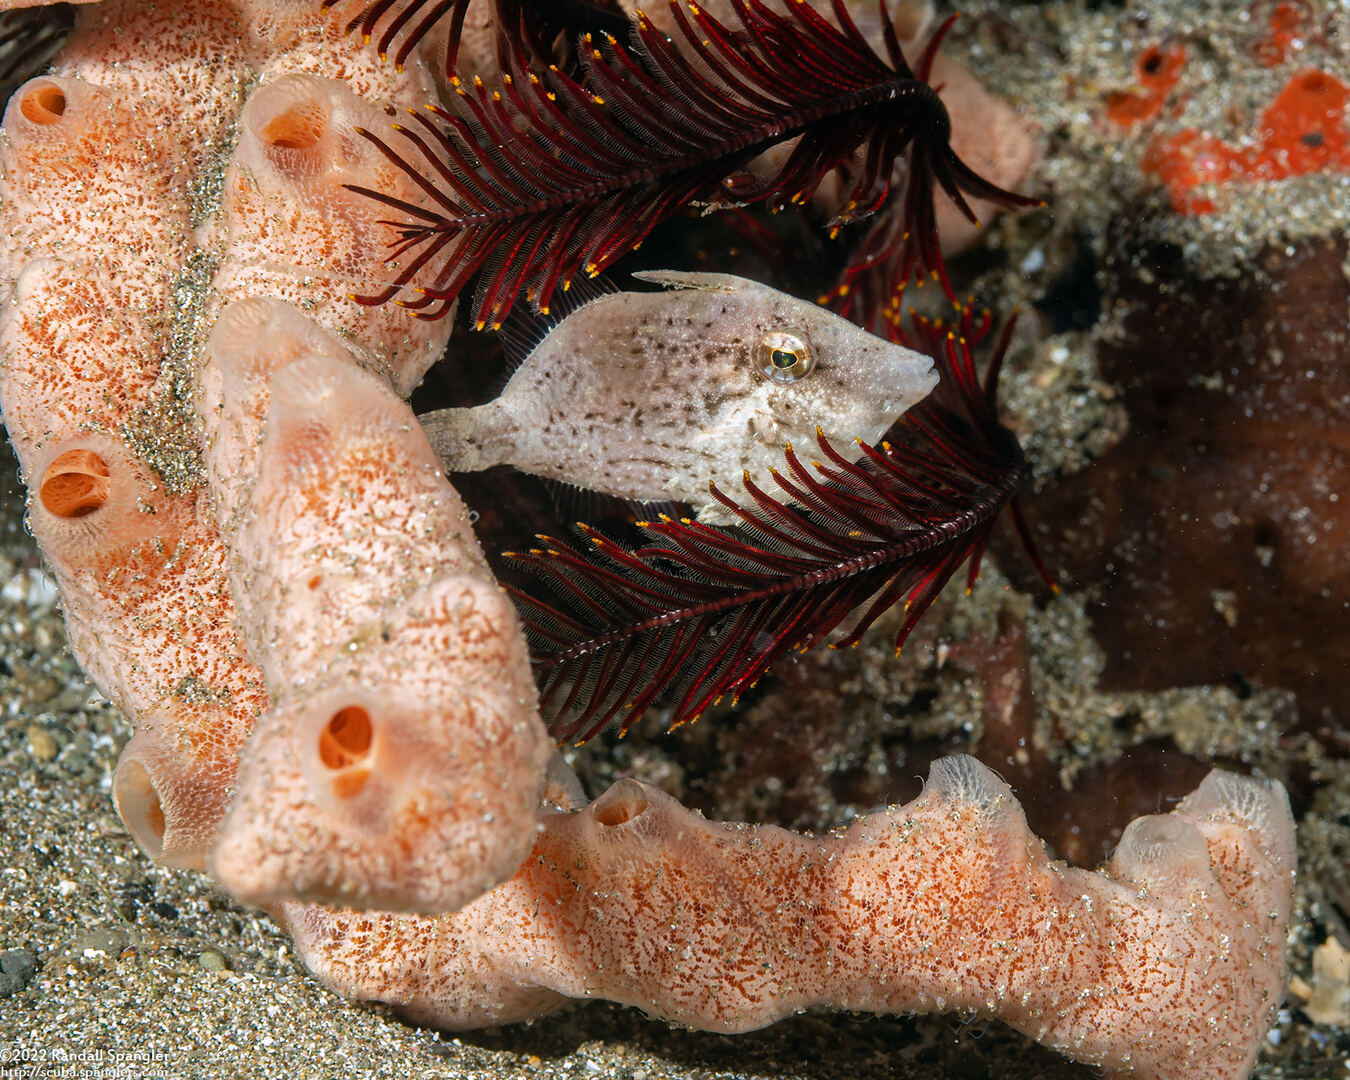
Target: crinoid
[[397, 27], [551, 174]]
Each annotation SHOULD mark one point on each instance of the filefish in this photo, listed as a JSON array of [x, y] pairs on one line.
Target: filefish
[[649, 396]]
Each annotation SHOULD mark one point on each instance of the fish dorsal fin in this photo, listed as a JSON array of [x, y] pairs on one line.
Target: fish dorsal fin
[[682, 279], [524, 329], [520, 335]]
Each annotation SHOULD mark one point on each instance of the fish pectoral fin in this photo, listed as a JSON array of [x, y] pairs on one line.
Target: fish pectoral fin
[[711, 513], [764, 429]]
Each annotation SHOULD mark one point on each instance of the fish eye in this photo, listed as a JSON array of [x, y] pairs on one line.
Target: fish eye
[[785, 357]]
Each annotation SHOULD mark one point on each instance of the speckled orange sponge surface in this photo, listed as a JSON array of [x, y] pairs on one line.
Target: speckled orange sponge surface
[[1169, 963], [275, 548]]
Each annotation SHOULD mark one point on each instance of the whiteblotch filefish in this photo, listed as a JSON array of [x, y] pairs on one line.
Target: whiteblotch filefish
[[649, 396]]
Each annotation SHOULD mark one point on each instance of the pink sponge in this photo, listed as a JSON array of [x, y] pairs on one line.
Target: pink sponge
[[1168, 965], [401, 760]]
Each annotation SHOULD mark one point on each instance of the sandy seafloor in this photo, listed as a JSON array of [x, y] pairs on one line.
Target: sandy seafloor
[[144, 972]]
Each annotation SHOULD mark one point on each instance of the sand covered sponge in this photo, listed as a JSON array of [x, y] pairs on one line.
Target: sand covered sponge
[[1168, 964], [97, 215], [291, 230], [179, 159]]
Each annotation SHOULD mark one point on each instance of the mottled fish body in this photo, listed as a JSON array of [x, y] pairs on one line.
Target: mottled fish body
[[649, 396]]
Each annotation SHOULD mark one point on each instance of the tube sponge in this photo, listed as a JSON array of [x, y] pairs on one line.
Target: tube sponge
[[403, 723], [293, 229], [113, 214], [1168, 965]]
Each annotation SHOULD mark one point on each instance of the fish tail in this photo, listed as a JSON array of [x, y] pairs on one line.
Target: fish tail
[[468, 440]]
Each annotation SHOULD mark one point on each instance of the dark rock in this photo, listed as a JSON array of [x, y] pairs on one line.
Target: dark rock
[[20, 963], [1211, 539]]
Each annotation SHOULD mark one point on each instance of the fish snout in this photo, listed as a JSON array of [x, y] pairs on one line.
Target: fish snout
[[905, 379], [928, 376]]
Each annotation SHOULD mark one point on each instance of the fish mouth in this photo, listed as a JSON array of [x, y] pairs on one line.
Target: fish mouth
[[911, 381], [927, 380]]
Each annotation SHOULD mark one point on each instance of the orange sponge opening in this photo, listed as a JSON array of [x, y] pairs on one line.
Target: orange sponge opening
[[346, 738], [139, 805], [75, 484], [44, 103], [620, 804], [298, 128]]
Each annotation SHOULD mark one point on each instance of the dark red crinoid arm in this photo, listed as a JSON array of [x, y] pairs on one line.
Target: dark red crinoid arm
[[397, 27], [551, 174], [902, 242], [699, 612], [28, 39]]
